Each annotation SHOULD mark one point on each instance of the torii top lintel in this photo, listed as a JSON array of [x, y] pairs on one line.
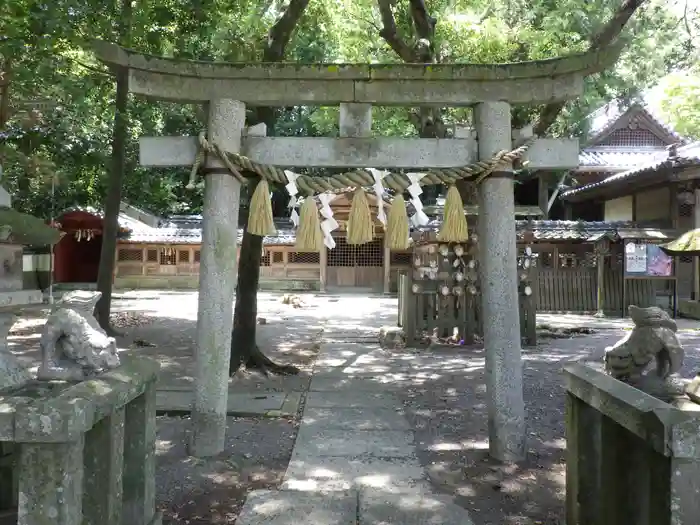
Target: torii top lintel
[[283, 84]]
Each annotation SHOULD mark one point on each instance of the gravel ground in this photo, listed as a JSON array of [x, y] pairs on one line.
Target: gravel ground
[[191, 491], [445, 403], [449, 416]]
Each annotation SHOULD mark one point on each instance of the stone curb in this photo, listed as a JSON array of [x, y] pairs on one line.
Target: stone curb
[[289, 407]]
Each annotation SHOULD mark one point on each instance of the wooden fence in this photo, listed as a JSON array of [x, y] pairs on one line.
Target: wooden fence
[[429, 313], [575, 290], [571, 290], [563, 290]]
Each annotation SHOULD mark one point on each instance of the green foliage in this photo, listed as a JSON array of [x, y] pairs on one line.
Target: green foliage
[[680, 102], [65, 143]]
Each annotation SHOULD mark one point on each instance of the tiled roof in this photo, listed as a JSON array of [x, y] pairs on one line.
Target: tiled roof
[[572, 230], [543, 230], [285, 235], [685, 156], [555, 231], [620, 158], [602, 119], [433, 210], [614, 157], [182, 221], [140, 215], [125, 221], [166, 236], [549, 230]]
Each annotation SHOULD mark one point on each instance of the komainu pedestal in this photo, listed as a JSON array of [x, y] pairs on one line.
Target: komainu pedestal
[[632, 459], [84, 452]]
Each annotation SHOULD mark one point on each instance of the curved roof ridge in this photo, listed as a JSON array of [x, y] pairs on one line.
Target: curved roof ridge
[[605, 117]]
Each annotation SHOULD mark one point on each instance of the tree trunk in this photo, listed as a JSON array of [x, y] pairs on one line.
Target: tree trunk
[[246, 310], [244, 348], [5, 74], [110, 224]]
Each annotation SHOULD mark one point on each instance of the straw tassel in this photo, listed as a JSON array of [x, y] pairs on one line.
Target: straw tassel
[[360, 229], [397, 231], [309, 234], [260, 221], [454, 221]]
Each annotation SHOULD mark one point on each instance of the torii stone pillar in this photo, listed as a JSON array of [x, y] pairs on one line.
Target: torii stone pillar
[[499, 289], [217, 282]]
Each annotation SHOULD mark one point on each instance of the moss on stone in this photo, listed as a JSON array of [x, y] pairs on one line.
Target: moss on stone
[[579, 63], [26, 229]]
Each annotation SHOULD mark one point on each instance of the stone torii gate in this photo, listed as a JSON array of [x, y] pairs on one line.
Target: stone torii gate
[[490, 89]]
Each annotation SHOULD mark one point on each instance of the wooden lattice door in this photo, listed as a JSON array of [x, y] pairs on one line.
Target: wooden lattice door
[[355, 266]]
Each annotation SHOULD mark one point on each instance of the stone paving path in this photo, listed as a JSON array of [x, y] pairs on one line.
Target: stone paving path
[[354, 460]]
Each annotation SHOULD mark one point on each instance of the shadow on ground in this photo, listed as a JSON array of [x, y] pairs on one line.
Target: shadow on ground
[[211, 491], [441, 392], [443, 396]]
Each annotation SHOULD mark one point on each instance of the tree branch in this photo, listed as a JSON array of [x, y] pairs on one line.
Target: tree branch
[[422, 21], [685, 21], [281, 32], [390, 33], [616, 24], [607, 36], [278, 37]]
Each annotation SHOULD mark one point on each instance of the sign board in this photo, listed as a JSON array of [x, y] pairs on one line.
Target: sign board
[[647, 260]]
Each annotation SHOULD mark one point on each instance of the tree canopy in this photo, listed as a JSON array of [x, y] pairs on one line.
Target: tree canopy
[[57, 102], [679, 101]]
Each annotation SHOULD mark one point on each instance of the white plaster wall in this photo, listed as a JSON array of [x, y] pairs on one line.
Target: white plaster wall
[[36, 262], [653, 205], [619, 209]]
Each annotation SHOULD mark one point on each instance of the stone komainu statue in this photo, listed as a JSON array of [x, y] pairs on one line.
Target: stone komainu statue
[[653, 336], [74, 347]]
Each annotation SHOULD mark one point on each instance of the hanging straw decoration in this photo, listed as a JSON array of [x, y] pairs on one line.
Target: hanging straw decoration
[[309, 235], [454, 221], [260, 220], [397, 231], [360, 220]]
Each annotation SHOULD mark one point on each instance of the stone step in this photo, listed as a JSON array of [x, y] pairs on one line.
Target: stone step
[[349, 399], [344, 383], [354, 419], [269, 404], [268, 507], [414, 506], [329, 474], [316, 442], [368, 506]]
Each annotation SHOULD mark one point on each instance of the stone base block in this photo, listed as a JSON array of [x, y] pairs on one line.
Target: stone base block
[[392, 337]]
